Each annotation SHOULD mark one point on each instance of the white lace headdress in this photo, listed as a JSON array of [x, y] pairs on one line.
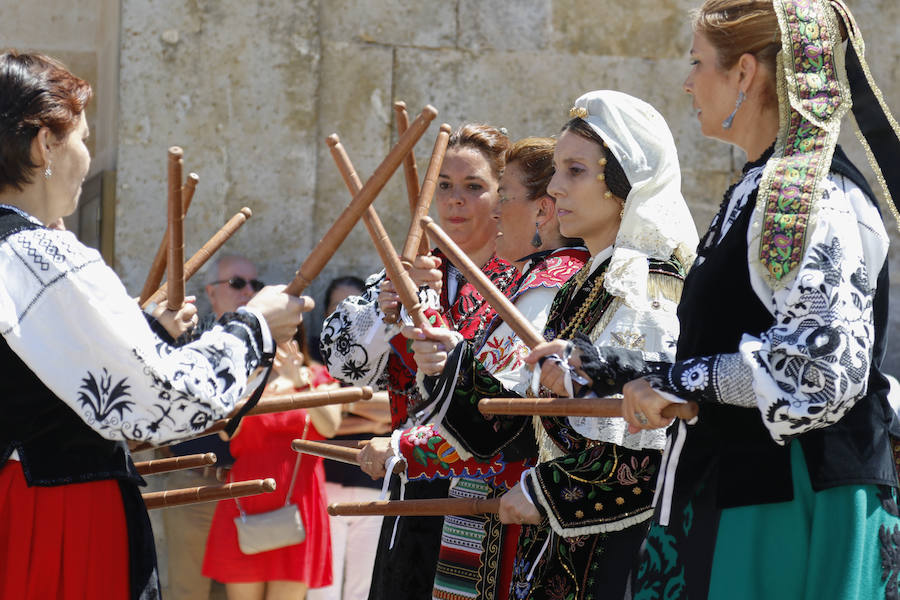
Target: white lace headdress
[[656, 222]]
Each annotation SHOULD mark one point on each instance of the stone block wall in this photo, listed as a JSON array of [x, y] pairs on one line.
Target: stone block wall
[[251, 89]]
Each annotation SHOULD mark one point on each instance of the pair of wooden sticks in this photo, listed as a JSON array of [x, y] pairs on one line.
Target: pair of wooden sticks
[[169, 256], [194, 495]]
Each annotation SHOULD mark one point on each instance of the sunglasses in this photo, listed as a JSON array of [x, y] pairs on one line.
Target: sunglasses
[[240, 283]]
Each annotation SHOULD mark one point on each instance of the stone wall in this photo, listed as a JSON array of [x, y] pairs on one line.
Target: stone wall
[[250, 90]]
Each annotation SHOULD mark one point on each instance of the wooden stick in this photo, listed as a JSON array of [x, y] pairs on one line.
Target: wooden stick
[[340, 229], [208, 493], [574, 407], [435, 507], [410, 170], [416, 240], [158, 266], [500, 303], [176, 463], [339, 453], [403, 283], [281, 403], [205, 252], [175, 265]]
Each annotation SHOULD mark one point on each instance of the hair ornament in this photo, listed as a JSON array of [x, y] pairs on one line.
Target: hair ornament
[[578, 111], [602, 162], [601, 177], [607, 194]]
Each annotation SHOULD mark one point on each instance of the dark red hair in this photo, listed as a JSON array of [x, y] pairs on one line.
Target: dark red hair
[[35, 91]]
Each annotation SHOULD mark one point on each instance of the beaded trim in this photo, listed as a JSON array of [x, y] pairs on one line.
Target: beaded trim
[[814, 96]]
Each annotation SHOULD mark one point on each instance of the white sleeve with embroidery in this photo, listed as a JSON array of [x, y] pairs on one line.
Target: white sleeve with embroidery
[[355, 342], [653, 330], [69, 318], [812, 365]]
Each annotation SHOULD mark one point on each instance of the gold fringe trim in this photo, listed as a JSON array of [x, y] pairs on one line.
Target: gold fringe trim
[[859, 45]]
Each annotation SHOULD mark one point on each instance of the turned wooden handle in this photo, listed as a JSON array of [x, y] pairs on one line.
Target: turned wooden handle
[[208, 493], [158, 266], [175, 265], [341, 228], [500, 303], [410, 170], [176, 463], [200, 258], [418, 508], [280, 403], [338, 452], [403, 283], [416, 240], [574, 407]]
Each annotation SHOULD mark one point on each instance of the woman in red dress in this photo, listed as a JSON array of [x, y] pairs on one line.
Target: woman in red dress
[[262, 448]]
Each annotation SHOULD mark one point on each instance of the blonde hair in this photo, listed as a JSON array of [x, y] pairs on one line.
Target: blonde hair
[[738, 27]]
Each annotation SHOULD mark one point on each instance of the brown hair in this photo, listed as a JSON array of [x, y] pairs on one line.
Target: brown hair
[[616, 180], [535, 155], [35, 91], [490, 141], [738, 27]]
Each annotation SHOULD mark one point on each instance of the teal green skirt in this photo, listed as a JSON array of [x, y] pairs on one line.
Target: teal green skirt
[[840, 543]]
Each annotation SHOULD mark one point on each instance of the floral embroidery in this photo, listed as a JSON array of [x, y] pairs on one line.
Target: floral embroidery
[[695, 377], [572, 494]]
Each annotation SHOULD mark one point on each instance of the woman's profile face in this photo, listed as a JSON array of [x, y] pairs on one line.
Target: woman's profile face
[[582, 207], [467, 195], [70, 162], [714, 91], [517, 215]]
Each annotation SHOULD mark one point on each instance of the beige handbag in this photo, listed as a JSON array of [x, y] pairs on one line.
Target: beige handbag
[[273, 529]]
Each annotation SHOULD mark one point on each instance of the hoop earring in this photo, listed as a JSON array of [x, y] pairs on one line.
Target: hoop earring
[[536, 240], [726, 124], [48, 171]]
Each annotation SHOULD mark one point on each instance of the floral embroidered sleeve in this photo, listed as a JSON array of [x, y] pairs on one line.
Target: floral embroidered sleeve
[[69, 318], [812, 365], [355, 341], [458, 440]]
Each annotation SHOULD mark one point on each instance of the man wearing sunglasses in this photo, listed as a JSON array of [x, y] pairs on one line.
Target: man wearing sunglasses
[[235, 281], [232, 282]]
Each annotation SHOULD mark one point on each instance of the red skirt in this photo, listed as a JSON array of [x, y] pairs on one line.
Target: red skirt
[[64, 542]]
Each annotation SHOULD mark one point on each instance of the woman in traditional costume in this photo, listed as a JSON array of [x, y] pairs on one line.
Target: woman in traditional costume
[[486, 455], [360, 348], [785, 486], [84, 370], [587, 504]]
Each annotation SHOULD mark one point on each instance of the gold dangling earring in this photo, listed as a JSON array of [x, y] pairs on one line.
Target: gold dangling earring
[[622, 211]]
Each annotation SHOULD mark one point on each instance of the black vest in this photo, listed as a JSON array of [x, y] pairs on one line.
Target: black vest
[[717, 307], [54, 444]]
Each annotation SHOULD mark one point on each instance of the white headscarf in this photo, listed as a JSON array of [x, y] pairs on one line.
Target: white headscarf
[[656, 223]]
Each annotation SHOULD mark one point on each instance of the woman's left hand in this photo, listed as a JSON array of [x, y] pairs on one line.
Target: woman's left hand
[[288, 363], [552, 373], [373, 456], [516, 509], [642, 406], [177, 322]]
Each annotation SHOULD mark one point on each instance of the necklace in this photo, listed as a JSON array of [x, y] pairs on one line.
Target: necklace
[[592, 296]]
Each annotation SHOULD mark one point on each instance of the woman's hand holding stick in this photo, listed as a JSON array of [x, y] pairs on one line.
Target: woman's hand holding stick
[[353, 456], [333, 238]]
